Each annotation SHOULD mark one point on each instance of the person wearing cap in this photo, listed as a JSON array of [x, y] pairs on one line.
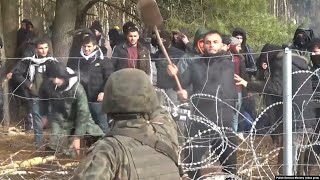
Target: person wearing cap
[[70, 117], [102, 41], [240, 70], [132, 53], [143, 141], [303, 115], [114, 37], [225, 42], [181, 41], [25, 39], [241, 34]]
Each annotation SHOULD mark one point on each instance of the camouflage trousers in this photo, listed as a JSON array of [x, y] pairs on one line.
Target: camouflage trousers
[[61, 139]]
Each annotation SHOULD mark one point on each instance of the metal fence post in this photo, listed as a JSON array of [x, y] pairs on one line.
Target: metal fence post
[[287, 114]]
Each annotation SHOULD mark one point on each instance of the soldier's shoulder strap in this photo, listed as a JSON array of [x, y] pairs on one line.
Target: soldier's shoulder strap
[[149, 141], [152, 142]]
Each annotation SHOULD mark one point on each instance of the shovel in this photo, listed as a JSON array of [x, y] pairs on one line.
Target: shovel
[[151, 17]]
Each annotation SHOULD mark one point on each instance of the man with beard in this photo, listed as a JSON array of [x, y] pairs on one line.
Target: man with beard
[[70, 116], [211, 74], [93, 70], [29, 73], [132, 53]]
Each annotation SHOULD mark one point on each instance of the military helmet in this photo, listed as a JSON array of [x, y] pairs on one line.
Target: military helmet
[[129, 91]]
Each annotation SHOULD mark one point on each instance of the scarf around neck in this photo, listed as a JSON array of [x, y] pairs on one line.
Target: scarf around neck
[[37, 62], [94, 54]]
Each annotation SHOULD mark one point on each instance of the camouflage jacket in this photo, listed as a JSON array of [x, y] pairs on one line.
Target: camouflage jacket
[[108, 158], [72, 111]]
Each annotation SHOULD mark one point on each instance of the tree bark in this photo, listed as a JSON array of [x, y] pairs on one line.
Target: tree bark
[[82, 13], [10, 19], [63, 24], [6, 111]]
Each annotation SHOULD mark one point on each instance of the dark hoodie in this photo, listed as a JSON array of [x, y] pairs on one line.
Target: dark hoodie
[[299, 42], [249, 59], [268, 53], [1, 43], [301, 86], [69, 103]]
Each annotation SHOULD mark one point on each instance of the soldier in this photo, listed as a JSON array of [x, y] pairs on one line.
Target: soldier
[[143, 141]]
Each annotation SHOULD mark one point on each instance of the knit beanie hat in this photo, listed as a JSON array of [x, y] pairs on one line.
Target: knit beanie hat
[[234, 41]]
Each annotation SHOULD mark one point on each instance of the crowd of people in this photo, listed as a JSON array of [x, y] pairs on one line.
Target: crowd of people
[[98, 92]]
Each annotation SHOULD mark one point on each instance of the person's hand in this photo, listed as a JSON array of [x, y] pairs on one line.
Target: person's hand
[[240, 81], [184, 39], [182, 95], [30, 87], [100, 97], [76, 144], [264, 65], [9, 75], [172, 70]]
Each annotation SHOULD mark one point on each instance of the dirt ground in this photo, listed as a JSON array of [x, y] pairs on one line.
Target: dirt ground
[[18, 148]]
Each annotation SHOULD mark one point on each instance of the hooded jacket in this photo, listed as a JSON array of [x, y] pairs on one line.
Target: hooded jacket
[[301, 88], [69, 102], [300, 46], [249, 59]]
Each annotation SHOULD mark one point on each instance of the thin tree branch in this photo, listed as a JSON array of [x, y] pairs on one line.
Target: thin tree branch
[[121, 9]]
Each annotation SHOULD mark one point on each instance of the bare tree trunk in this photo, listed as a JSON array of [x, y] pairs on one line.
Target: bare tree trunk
[[123, 14], [285, 10], [277, 8], [63, 24], [10, 22], [9, 13]]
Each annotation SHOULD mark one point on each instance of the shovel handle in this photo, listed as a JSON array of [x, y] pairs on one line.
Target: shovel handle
[[164, 51]]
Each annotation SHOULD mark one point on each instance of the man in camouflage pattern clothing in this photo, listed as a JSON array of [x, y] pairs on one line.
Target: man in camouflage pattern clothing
[[70, 116], [143, 141]]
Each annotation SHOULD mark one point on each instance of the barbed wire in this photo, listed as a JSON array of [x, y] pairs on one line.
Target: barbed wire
[[256, 156], [154, 58]]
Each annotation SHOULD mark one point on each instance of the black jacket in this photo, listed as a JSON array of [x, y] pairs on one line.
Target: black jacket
[[1, 43], [120, 58], [93, 74], [213, 76], [21, 76], [165, 81], [301, 89]]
